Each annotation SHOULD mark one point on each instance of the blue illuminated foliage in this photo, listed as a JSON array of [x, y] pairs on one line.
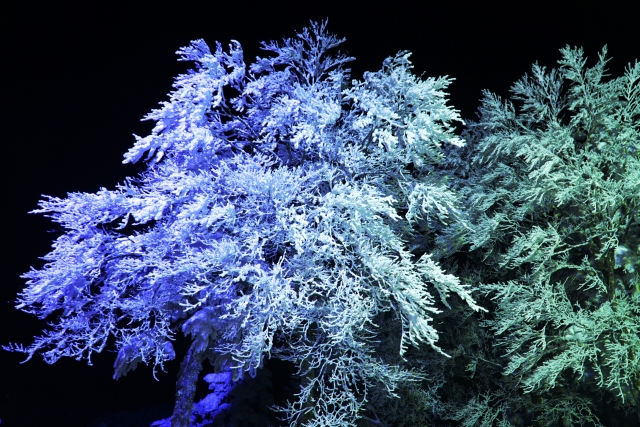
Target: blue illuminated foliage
[[285, 212]]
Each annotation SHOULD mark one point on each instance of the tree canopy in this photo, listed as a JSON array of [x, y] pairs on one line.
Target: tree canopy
[[288, 211], [266, 224]]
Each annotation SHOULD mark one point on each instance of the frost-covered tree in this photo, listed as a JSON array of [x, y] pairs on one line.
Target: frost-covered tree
[[285, 211], [553, 193]]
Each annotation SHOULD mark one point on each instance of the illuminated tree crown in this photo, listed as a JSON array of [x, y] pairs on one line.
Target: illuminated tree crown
[[281, 214]]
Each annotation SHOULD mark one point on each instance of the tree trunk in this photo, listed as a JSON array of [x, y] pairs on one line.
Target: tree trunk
[[186, 385]]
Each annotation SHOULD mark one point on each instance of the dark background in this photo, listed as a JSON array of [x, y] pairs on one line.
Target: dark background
[[77, 79]]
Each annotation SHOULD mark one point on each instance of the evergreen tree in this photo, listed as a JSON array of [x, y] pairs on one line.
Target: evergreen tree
[[554, 189], [284, 212]]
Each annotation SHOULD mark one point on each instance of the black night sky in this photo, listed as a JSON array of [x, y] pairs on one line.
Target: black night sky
[[77, 79]]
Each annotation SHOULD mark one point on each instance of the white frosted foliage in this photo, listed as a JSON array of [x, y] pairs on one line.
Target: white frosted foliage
[[267, 224]]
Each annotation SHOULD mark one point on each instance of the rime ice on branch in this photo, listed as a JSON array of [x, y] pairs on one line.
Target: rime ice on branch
[[272, 221]]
